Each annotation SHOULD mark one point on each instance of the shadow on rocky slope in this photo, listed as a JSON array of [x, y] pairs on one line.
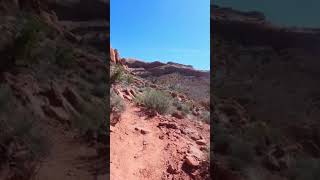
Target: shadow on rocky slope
[[265, 98]]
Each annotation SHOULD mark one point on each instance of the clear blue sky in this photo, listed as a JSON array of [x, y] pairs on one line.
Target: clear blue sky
[[162, 30], [283, 12]]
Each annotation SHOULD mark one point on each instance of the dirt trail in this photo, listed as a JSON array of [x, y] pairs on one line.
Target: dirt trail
[[140, 150], [68, 159], [133, 155]]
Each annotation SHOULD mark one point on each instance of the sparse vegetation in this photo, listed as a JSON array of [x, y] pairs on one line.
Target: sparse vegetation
[[25, 129], [184, 108], [27, 39], [176, 87], [118, 75], [205, 116], [116, 102], [19, 126], [156, 100]]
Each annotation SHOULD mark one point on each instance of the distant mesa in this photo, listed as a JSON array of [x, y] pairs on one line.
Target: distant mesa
[[177, 64], [155, 68]]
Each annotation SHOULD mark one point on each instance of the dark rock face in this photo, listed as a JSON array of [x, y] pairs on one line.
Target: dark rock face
[[87, 19], [82, 10], [270, 73], [251, 29]]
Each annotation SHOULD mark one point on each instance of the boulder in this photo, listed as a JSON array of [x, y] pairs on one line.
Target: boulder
[[191, 161]]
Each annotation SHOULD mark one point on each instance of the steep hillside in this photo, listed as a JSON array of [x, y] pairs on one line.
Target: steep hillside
[[52, 96], [266, 95], [156, 132]]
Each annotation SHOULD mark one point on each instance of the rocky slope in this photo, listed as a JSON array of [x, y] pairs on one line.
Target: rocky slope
[[184, 78], [148, 144], [265, 97], [52, 96]]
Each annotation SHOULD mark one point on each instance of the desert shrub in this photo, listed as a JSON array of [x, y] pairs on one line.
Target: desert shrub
[[100, 90], [184, 108], [31, 30], [64, 56], [157, 100], [176, 103], [129, 79], [205, 116], [139, 98], [117, 74], [116, 102], [26, 41], [176, 87], [305, 169]]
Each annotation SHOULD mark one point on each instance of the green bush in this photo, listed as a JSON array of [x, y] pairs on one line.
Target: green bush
[[157, 100], [116, 102], [27, 39], [205, 116], [184, 108], [118, 75], [176, 87], [129, 79]]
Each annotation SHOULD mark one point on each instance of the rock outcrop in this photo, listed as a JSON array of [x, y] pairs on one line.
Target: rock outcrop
[[115, 56], [157, 68], [43, 78]]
